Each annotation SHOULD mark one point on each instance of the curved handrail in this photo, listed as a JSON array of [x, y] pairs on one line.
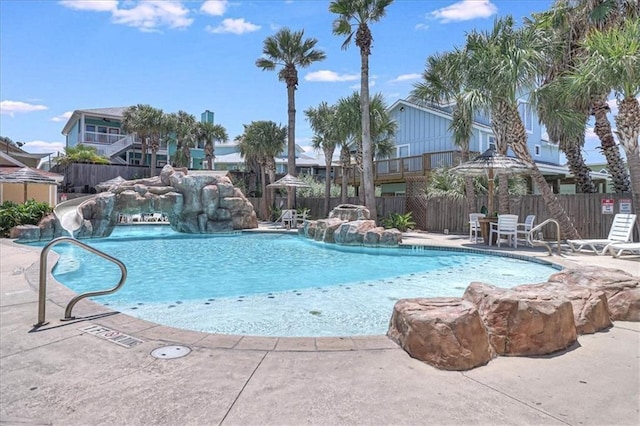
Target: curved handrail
[[42, 285], [533, 242]]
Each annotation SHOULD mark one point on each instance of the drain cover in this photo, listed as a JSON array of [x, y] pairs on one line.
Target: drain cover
[[170, 352]]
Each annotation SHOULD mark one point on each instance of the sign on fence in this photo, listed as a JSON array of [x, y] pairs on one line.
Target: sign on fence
[[607, 206], [624, 205]]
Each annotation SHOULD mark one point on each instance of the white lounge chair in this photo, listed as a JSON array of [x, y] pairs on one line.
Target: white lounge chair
[[621, 232], [474, 226], [616, 249], [507, 225]]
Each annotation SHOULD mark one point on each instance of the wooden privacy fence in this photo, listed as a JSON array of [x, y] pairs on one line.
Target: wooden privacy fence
[[585, 210], [82, 177]]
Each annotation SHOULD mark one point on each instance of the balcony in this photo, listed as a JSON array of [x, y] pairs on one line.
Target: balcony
[[396, 170], [109, 144]]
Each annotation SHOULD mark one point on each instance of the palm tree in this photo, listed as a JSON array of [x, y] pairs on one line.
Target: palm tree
[[502, 63], [611, 62], [362, 13], [288, 49], [565, 26], [444, 80], [182, 127], [210, 133], [133, 121], [263, 141], [154, 118], [323, 122]]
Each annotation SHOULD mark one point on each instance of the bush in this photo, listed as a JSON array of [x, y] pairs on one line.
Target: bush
[[402, 222], [29, 213]]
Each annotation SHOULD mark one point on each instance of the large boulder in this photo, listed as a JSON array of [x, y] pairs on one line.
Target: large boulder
[[349, 212], [446, 333], [352, 233], [524, 321], [622, 289]]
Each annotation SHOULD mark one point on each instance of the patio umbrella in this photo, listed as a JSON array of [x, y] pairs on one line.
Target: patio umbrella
[[289, 181], [492, 164]]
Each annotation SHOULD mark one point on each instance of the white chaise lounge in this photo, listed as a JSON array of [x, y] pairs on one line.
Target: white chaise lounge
[[621, 232], [616, 249]]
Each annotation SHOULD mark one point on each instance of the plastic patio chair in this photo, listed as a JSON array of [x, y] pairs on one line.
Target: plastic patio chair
[[474, 226], [621, 232], [526, 227], [507, 225]]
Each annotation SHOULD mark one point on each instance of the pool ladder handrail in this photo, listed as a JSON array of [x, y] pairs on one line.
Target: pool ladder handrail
[[42, 285], [536, 242]]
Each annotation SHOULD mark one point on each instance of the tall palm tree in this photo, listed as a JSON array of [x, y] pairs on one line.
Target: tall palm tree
[[359, 14], [210, 133], [502, 64], [287, 49], [182, 127], [263, 141], [565, 25], [134, 122], [611, 62], [154, 118], [444, 80], [323, 123]]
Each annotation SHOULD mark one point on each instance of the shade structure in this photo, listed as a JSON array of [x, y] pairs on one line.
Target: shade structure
[[27, 176], [288, 181], [492, 164]]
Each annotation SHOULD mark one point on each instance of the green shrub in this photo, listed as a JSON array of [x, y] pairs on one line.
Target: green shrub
[[29, 213], [402, 222]]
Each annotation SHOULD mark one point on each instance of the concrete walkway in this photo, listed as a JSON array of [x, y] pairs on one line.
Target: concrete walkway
[[62, 375]]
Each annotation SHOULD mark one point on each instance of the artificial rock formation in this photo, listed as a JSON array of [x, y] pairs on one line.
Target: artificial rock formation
[[197, 204], [349, 224], [529, 319], [444, 332]]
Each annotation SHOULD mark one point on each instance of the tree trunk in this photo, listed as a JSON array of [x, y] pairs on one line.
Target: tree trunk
[[291, 142], [154, 151], [628, 124], [264, 211], [517, 140], [471, 194], [503, 194], [610, 150], [327, 185], [344, 191], [577, 166], [367, 149]]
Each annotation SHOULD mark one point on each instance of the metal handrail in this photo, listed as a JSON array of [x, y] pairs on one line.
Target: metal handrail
[[42, 286], [533, 242]]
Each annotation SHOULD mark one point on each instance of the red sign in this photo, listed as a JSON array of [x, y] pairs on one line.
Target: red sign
[[607, 206]]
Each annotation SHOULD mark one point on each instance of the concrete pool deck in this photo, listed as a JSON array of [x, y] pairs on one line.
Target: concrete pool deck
[[62, 375]]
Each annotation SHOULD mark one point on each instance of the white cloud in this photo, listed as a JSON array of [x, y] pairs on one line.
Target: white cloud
[[214, 7], [62, 117], [330, 76], [13, 107], [406, 77], [146, 15], [423, 27], [233, 26], [149, 15], [36, 147], [91, 5], [464, 10]]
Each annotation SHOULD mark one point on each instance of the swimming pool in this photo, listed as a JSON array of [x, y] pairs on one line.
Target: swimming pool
[[274, 284]]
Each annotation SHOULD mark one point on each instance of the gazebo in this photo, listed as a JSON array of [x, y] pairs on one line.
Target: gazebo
[[25, 184]]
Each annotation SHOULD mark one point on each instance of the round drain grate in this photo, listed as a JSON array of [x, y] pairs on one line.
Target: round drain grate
[[170, 352]]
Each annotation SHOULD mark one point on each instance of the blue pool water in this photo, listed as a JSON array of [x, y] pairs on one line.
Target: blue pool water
[[273, 284]]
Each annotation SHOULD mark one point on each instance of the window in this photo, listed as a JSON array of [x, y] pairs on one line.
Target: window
[[537, 150], [524, 109], [402, 151], [492, 143]]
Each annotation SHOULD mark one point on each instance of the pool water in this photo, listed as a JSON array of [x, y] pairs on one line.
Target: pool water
[[273, 284]]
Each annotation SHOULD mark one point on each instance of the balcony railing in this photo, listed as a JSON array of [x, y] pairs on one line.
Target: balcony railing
[[396, 169], [112, 144]]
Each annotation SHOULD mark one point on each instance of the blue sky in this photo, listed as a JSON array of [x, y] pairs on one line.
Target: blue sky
[[59, 56]]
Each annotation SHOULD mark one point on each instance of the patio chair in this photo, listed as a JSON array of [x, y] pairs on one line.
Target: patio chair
[[507, 226], [287, 218], [621, 232], [616, 249], [474, 226], [525, 228]]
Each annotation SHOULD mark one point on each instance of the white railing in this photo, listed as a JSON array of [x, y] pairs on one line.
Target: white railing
[[115, 147]]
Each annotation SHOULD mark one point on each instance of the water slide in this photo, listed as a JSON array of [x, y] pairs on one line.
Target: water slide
[[67, 213]]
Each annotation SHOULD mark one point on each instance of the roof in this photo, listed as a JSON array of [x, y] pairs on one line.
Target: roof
[[111, 112], [27, 174]]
